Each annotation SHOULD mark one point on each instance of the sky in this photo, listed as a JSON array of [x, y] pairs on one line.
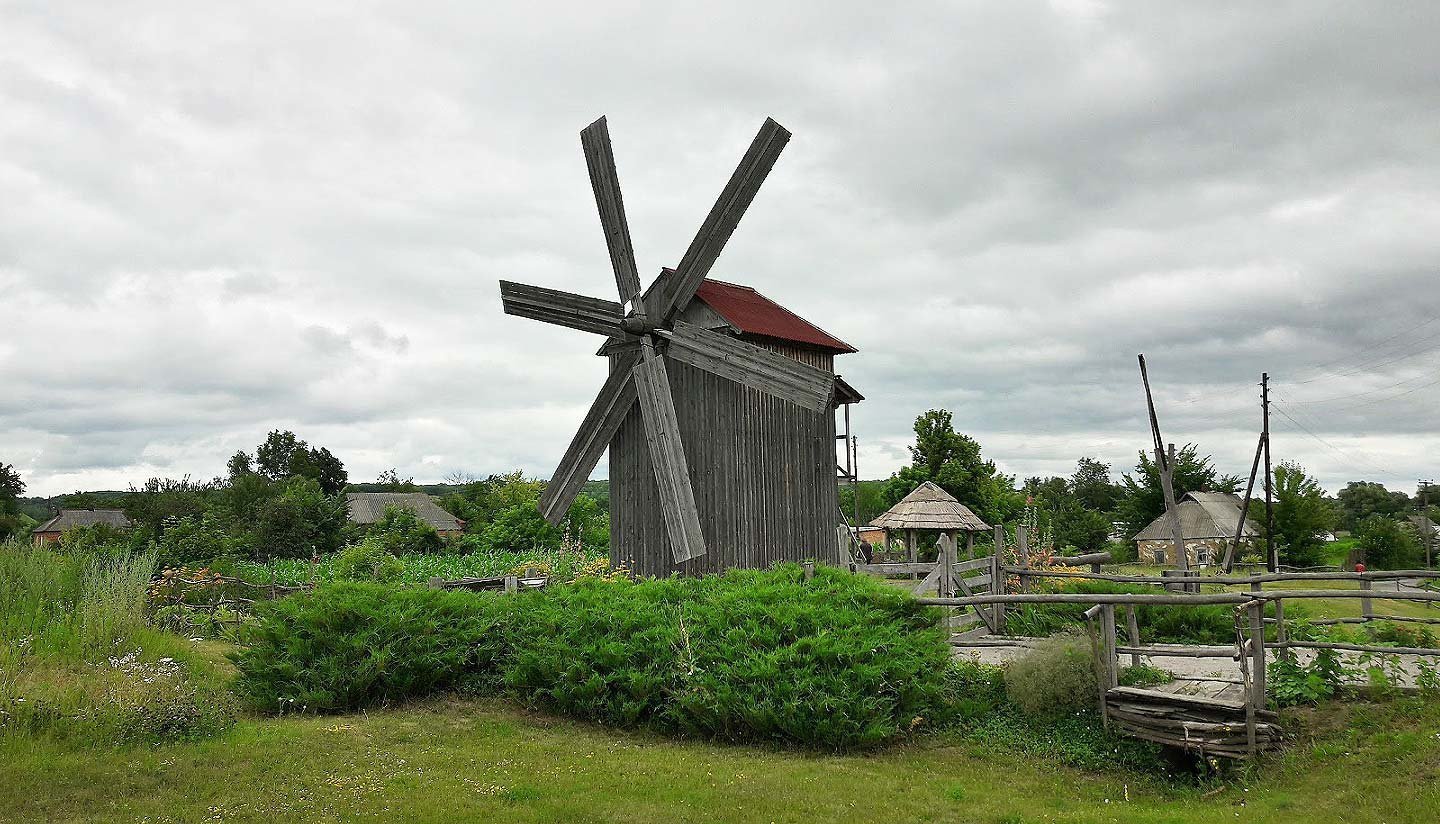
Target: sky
[[223, 219]]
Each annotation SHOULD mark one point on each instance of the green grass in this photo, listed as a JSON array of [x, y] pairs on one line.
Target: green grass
[[450, 759]]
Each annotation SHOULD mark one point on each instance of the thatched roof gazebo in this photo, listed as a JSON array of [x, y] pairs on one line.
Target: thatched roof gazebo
[[930, 508]]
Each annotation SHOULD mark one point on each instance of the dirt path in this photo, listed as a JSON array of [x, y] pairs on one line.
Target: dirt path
[[1405, 671]]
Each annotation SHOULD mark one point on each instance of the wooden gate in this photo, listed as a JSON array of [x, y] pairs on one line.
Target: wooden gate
[[948, 577]]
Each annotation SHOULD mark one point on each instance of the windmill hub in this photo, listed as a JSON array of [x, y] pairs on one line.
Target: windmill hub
[[638, 324]]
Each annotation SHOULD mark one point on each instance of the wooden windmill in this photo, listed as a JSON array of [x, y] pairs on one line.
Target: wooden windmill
[[669, 350]]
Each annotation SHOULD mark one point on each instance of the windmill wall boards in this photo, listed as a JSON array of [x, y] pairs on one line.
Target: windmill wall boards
[[718, 411]]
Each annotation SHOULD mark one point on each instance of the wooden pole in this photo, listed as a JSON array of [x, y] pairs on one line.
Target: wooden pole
[[1367, 611], [1165, 468], [1257, 651], [912, 554], [1231, 550], [1272, 553], [1022, 550], [969, 545], [1167, 487], [1111, 664], [997, 586], [1132, 627], [947, 565]]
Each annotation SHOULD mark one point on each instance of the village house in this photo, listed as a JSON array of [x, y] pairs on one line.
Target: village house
[[367, 508], [51, 530], [1207, 521]]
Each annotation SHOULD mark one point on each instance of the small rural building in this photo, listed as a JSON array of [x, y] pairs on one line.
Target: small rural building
[[763, 470], [1207, 521], [369, 507], [51, 530], [871, 535], [933, 509]]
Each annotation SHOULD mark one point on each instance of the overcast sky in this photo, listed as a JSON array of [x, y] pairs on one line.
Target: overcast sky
[[221, 219]]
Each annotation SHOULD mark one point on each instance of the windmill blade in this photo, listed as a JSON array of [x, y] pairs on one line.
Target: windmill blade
[[561, 308], [734, 199], [600, 159], [667, 455], [613, 402], [750, 365]]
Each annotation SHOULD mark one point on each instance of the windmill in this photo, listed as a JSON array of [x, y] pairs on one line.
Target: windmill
[[649, 338]]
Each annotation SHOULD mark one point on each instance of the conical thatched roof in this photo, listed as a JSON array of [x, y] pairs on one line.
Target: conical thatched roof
[[930, 507]]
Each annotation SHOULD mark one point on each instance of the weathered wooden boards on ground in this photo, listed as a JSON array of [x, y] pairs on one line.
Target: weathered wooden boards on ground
[[1197, 723]]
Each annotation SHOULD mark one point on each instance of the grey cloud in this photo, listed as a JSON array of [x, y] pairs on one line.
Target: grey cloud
[[222, 221]]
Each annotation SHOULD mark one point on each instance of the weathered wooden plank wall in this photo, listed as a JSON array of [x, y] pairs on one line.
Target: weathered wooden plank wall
[[763, 471]]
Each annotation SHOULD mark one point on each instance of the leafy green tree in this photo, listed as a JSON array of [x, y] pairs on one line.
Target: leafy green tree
[[11, 488], [163, 502], [1387, 544], [1062, 515], [1092, 487], [1143, 500], [1302, 516], [282, 456], [953, 462], [1361, 499], [239, 464], [301, 519]]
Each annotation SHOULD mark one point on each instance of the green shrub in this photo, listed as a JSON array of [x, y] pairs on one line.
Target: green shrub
[[837, 662], [368, 561], [1056, 677], [400, 531]]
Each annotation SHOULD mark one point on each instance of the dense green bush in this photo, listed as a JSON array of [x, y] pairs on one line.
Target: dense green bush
[[400, 531], [1056, 677], [1387, 543], [836, 662], [368, 561]]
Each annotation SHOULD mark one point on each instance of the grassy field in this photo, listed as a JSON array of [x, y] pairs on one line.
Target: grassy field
[[453, 759]]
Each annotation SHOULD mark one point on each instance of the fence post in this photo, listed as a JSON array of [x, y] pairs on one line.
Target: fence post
[[437, 582], [997, 587], [809, 570], [1367, 611], [1132, 627], [947, 563], [1107, 626], [512, 584], [1257, 650], [1022, 555]]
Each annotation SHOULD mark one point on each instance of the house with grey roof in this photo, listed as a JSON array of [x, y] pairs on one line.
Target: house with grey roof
[[51, 530], [369, 507], [1207, 522]]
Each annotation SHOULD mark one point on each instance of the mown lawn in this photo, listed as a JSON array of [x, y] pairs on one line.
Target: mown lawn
[[455, 759]]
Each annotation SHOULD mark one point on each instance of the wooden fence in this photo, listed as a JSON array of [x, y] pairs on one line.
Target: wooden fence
[[1233, 721]]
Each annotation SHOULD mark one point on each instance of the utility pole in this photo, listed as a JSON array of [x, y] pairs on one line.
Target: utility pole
[[1165, 466], [1272, 554], [1426, 527]]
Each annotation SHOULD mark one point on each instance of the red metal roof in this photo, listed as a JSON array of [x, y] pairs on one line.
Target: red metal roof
[[754, 314]]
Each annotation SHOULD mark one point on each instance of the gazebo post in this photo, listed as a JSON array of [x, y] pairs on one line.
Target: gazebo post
[[970, 544], [913, 554]]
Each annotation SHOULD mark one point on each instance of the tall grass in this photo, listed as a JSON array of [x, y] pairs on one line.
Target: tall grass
[[417, 568], [77, 658], [59, 605]]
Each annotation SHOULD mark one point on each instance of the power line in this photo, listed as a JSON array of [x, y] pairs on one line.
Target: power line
[[1376, 345], [1375, 364], [1350, 460], [1351, 395]]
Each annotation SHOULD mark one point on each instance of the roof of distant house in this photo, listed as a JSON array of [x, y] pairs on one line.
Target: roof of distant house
[[930, 507], [751, 313], [1202, 515], [369, 507], [71, 518]]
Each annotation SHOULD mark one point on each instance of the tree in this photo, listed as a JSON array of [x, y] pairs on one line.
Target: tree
[[239, 464], [952, 461], [1143, 500], [282, 456], [1387, 544], [12, 520], [1302, 516], [390, 481], [300, 520], [274, 457], [1361, 499], [1092, 487]]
